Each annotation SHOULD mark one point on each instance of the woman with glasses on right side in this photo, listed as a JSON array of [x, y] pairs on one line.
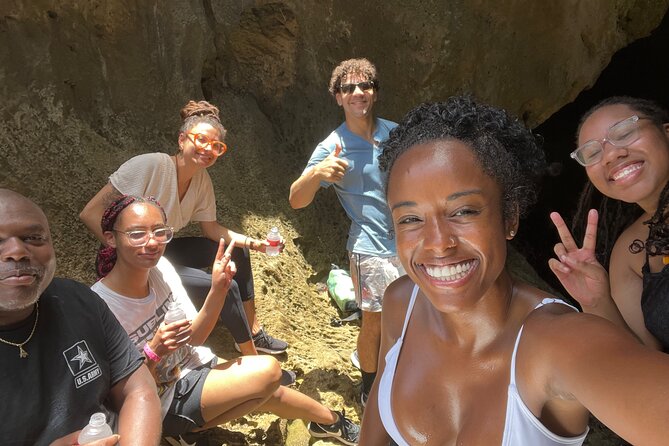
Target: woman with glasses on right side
[[623, 143]]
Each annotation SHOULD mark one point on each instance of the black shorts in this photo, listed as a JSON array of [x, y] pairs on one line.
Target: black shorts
[[185, 412]]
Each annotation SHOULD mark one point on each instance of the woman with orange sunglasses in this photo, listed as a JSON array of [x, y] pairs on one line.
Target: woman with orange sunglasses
[[181, 184]]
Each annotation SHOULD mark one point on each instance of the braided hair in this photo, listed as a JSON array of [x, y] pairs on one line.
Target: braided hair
[[196, 112], [106, 258], [615, 215]]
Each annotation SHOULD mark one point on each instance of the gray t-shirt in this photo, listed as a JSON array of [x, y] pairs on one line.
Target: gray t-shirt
[[155, 174]]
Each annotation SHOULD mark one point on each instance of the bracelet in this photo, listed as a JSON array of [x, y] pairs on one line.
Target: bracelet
[[246, 240], [150, 354]]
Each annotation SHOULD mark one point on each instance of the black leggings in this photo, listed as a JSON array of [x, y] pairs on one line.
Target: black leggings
[[190, 255]]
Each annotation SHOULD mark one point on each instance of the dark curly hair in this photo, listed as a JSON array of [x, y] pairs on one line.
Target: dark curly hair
[[195, 112], [615, 215], [106, 258], [362, 67], [506, 150]]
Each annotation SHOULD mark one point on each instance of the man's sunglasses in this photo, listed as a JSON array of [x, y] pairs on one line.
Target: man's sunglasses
[[350, 88]]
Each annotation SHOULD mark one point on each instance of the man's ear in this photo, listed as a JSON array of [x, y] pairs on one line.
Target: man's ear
[[338, 98]]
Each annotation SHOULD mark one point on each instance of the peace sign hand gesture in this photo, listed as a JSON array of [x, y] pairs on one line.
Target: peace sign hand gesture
[[584, 278], [223, 269]]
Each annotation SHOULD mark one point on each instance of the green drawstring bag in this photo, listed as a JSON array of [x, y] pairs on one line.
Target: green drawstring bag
[[340, 288]]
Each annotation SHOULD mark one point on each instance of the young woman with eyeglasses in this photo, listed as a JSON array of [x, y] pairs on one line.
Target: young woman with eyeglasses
[[181, 184], [470, 354], [624, 147], [196, 391]]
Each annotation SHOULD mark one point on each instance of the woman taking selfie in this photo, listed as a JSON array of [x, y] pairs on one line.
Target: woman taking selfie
[[472, 355]]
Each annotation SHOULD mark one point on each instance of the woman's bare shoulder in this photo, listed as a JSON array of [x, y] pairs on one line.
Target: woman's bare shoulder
[[622, 259], [396, 301]]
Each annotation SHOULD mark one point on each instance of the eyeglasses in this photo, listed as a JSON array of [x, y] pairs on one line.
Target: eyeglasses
[[202, 141], [350, 88], [620, 134], [141, 238]]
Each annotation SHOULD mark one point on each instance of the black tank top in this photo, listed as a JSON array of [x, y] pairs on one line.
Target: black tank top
[[655, 303]]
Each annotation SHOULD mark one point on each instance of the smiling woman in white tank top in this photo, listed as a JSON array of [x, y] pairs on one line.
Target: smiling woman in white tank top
[[473, 356]]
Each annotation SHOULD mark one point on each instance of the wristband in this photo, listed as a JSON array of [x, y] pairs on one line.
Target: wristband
[[246, 241], [150, 354]]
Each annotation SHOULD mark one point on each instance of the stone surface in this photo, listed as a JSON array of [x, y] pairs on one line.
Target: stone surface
[[86, 84]]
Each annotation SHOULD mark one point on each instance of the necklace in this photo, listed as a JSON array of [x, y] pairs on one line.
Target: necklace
[[22, 352]]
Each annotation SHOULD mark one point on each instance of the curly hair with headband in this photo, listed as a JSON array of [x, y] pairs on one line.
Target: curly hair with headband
[[106, 258]]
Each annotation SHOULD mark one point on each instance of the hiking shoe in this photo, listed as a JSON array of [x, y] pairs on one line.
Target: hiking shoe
[[288, 377], [355, 359], [266, 343], [344, 430]]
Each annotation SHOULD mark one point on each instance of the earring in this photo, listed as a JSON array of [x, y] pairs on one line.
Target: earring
[[512, 233]]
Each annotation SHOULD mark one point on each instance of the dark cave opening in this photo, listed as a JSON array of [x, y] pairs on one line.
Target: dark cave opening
[[642, 70]]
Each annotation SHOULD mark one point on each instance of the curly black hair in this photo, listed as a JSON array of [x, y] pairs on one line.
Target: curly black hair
[[615, 215], [507, 151]]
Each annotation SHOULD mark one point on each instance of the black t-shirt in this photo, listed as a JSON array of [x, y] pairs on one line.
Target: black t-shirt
[[78, 352]]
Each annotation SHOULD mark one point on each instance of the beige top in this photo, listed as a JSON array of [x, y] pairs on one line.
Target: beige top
[[155, 174]]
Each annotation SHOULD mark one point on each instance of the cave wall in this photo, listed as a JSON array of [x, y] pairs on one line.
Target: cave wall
[[85, 84]]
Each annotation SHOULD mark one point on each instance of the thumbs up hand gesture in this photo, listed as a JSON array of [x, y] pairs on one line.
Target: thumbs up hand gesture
[[332, 168]]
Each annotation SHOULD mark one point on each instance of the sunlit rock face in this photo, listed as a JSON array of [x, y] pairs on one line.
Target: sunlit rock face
[[85, 84]]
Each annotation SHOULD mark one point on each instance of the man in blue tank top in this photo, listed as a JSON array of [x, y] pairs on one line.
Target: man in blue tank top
[[347, 160]]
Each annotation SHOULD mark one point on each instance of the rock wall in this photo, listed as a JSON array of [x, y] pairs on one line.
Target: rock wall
[[86, 84]]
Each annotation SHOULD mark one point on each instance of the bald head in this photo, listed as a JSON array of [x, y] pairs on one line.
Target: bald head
[[9, 199], [27, 260]]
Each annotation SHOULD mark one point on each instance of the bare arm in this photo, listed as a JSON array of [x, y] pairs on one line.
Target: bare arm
[[331, 169], [627, 286], [591, 361], [215, 231], [91, 215], [138, 406], [394, 307]]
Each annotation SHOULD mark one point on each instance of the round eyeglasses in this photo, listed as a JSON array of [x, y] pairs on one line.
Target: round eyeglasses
[[620, 134], [202, 142], [140, 237]]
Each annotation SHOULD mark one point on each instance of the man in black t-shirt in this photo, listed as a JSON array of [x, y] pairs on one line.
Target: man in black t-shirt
[[63, 354]]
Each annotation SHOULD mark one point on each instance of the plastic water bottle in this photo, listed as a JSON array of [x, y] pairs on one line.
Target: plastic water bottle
[[274, 240], [96, 429], [174, 313]]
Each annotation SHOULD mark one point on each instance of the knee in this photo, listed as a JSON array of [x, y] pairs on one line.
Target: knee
[[264, 373]]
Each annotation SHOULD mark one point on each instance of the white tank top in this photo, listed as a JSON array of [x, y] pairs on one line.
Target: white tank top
[[521, 427]]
